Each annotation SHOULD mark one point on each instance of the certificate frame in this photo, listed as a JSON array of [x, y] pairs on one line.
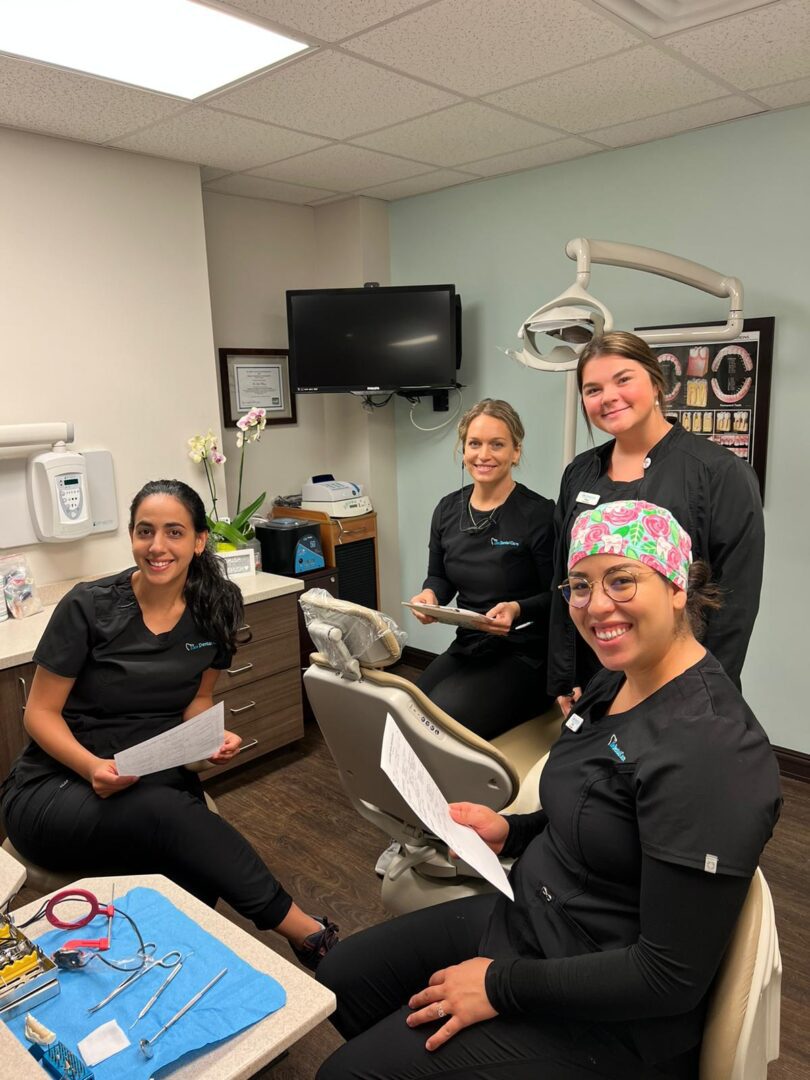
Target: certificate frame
[[256, 378], [745, 414]]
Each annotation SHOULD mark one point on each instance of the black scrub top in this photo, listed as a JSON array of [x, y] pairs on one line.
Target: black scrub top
[[130, 684], [687, 777], [510, 559]]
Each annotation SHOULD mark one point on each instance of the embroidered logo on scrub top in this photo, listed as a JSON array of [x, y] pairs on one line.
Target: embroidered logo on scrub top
[[192, 646], [617, 750], [504, 543]]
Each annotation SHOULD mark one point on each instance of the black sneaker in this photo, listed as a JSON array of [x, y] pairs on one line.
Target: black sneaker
[[317, 944]]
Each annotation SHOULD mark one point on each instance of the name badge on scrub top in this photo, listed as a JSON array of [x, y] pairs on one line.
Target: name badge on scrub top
[[574, 722], [588, 498]]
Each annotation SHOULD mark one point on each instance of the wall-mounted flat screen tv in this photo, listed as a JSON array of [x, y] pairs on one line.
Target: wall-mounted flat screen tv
[[372, 340]]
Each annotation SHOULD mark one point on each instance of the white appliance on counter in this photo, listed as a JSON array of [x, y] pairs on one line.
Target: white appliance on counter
[[337, 498]]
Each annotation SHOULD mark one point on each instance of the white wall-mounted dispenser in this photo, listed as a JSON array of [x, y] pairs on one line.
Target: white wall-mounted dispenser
[[54, 495]]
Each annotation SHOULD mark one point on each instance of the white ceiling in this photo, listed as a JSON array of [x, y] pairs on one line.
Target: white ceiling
[[401, 97]]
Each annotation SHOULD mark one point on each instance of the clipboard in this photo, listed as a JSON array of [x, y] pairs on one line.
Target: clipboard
[[453, 616]]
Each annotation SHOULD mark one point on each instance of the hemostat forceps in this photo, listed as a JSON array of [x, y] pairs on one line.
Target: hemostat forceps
[[170, 960]]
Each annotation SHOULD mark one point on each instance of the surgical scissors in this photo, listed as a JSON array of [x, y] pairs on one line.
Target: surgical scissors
[[170, 960]]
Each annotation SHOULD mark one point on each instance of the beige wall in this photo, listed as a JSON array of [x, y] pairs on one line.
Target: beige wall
[[256, 251], [106, 316]]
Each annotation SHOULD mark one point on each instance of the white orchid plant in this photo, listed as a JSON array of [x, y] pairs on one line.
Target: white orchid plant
[[204, 449]]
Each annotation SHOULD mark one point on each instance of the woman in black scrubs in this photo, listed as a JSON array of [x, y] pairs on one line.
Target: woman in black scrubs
[[712, 492], [658, 799], [491, 545], [122, 659]]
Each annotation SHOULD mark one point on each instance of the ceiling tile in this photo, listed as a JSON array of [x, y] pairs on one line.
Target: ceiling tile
[[257, 187], [330, 93], [342, 168], [213, 138], [207, 173], [608, 91], [659, 127], [755, 49], [418, 185], [550, 154], [47, 99], [331, 199], [476, 46], [790, 93], [329, 21], [458, 134]]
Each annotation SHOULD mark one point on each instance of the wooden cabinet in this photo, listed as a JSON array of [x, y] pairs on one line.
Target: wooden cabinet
[[261, 690]]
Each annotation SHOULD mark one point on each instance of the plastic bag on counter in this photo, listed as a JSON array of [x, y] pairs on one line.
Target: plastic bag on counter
[[19, 590]]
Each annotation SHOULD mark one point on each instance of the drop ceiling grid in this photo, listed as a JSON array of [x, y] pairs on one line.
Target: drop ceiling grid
[[329, 20], [342, 168], [509, 42], [333, 94]]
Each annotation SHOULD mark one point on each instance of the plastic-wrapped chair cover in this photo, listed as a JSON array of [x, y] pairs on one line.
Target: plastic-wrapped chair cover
[[369, 636]]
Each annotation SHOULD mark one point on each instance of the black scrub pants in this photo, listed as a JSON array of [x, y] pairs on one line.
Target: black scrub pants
[[488, 693], [160, 825], [375, 972]]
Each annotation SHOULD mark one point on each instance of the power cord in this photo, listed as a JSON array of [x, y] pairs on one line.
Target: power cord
[[444, 423]]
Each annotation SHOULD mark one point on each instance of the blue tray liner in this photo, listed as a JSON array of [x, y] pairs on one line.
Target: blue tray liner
[[241, 998]]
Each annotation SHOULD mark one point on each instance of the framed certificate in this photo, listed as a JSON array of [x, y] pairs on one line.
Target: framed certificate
[[256, 379]]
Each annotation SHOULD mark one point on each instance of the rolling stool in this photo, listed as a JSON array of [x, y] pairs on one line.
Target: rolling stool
[[43, 881]]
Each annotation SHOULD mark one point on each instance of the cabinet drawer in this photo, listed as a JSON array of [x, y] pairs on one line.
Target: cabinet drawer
[[267, 714], [347, 530], [259, 659], [269, 619]]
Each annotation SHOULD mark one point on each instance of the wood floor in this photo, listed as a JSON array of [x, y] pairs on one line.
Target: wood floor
[[293, 809]]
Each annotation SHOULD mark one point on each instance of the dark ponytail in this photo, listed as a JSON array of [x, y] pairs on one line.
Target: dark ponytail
[[215, 602], [703, 597]]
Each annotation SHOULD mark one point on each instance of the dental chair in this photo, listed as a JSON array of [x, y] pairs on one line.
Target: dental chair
[[351, 695]]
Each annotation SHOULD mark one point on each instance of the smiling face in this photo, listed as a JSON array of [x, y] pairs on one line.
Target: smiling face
[[618, 395], [633, 635], [163, 540], [489, 451]]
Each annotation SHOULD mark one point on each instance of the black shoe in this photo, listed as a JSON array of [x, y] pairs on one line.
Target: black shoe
[[317, 944]]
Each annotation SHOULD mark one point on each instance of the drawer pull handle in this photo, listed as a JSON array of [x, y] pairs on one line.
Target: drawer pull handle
[[24, 688], [248, 746], [243, 708], [242, 629], [239, 670]]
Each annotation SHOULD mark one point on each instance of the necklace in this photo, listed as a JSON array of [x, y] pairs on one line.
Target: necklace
[[480, 524]]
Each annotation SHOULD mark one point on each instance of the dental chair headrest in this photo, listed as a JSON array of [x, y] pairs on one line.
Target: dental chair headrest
[[368, 636]]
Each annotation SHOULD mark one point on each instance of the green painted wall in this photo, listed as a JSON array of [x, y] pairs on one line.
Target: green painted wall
[[734, 197]]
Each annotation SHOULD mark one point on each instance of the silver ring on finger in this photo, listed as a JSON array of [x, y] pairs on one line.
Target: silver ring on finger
[[440, 1012]]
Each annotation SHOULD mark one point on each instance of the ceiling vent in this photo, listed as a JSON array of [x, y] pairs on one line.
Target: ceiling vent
[[659, 17]]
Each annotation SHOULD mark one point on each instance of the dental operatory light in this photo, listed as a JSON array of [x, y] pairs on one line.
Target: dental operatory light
[[176, 47], [574, 317]]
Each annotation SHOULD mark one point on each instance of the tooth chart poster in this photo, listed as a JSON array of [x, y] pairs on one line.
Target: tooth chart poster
[[721, 390]]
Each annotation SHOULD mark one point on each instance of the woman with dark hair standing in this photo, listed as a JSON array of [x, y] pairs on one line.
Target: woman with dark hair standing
[[125, 658], [712, 492], [491, 544]]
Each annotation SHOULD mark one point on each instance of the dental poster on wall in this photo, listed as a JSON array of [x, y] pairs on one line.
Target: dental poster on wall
[[721, 390]]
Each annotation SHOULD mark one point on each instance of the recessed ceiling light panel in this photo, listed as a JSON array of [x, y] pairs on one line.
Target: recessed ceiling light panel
[[659, 17], [176, 47]]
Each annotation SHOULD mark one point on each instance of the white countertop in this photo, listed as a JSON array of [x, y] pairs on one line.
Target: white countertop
[[20, 637]]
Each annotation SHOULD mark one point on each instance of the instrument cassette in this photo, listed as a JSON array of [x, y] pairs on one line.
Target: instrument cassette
[[27, 976]]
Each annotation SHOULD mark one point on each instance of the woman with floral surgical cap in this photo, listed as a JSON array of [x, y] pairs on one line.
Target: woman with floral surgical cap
[[125, 658], [658, 799]]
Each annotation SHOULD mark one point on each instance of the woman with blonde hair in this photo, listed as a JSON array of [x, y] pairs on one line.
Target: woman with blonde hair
[[491, 546]]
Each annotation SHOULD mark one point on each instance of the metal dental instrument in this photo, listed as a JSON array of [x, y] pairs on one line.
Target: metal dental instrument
[[147, 1045], [175, 971], [170, 960]]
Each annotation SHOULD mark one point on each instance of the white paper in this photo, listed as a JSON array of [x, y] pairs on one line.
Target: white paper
[[420, 791], [191, 740]]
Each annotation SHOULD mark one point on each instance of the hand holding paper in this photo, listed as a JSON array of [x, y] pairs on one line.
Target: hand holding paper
[[418, 788], [190, 740]]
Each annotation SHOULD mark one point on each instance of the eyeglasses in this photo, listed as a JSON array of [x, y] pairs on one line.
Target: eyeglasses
[[620, 585]]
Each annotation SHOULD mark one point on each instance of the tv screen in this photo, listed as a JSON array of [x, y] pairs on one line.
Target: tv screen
[[373, 340]]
